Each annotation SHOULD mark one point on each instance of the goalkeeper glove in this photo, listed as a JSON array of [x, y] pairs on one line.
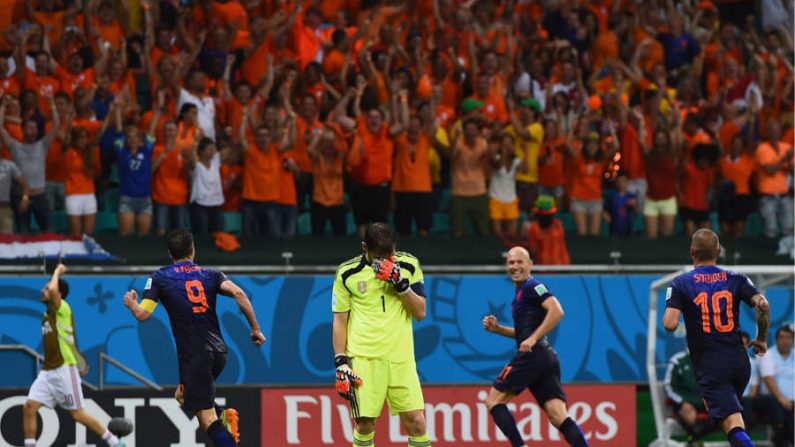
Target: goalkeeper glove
[[347, 382], [386, 269]]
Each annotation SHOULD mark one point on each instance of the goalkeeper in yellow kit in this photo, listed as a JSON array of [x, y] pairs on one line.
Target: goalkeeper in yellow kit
[[374, 299]]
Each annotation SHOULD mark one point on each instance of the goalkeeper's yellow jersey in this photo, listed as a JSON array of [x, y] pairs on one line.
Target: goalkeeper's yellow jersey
[[379, 326]]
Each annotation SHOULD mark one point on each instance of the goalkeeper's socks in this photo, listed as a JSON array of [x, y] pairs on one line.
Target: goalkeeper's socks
[[504, 419], [30, 442], [573, 434], [110, 438], [360, 440], [739, 438], [420, 441], [220, 436]]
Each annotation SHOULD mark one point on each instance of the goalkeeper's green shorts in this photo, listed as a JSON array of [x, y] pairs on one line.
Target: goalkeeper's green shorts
[[395, 382]]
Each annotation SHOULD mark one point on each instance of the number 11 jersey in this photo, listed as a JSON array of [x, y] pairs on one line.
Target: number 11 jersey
[[189, 292], [709, 298]]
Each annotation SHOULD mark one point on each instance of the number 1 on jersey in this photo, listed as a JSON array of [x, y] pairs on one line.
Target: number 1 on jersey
[[713, 305], [196, 295]]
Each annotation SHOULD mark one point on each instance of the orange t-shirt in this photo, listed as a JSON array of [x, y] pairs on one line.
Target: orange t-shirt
[[550, 170], [412, 170], [604, 47], [738, 171], [49, 20], [91, 126], [548, 245], [169, 182], [727, 133], [44, 86], [70, 82], [261, 172], [255, 66], [231, 179], [375, 167], [9, 86], [308, 42], [467, 168], [766, 155], [695, 186], [333, 61], [287, 195], [327, 186], [54, 166], [303, 135], [588, 179], [494, 108], [77, 180], [656, 52]]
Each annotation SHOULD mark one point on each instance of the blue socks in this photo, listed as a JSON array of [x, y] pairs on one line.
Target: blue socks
[[504, 419], [221, 438], [739, 438], [573, 434]]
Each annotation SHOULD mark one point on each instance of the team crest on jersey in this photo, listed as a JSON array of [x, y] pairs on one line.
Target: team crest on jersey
[[541, 289], [361, 286]]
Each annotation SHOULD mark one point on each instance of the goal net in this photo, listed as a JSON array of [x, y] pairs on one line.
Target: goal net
[[776, 282]]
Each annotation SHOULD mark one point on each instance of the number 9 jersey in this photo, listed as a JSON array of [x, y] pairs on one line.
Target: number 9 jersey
[[709, 298], [188, 292]]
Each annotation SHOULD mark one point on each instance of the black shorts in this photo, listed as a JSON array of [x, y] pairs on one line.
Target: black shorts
[[370, 203], [538, 371], [689, 214], [417, 206], [736, 208], [197, 374], [722, 389]]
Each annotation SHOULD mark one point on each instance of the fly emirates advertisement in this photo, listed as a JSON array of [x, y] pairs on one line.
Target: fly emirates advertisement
[[455, 416]]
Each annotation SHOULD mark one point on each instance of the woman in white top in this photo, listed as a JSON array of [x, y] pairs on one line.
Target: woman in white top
[[206, 195], [503, 203]]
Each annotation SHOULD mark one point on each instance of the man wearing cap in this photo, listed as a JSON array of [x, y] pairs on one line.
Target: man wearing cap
[[546, 237], [528, 133]]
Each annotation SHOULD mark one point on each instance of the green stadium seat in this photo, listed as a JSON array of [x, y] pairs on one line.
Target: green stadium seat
[[111, 200], [568, 222], [58, 222], [233, 222], [304, 223], [753, 226], [440, 223], [106, 221]]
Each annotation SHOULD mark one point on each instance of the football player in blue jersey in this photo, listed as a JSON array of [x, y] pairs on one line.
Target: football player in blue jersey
[[188, 293], [709, 298], [536, 367]]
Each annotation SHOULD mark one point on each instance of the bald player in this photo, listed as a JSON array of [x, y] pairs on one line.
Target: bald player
[[706, 296], [536, 366]]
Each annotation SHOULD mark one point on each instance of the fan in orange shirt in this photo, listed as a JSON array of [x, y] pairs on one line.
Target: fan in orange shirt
[[170, 181], [735, 202], [308, 37], [40, 81], [231, 14], [328, 152], [546, 238], [231, 175], [82, 166], [9, 85], [494, 108], [75, 74], [103, 22], [55, 168]]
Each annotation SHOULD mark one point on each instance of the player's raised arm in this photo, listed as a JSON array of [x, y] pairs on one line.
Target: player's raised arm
[[553, 317], [491, 324], [141, 311], [762, 307], [53, 292], [231, 289]]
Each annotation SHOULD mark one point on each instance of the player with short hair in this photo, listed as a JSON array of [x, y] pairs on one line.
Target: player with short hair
[[59, 383], [189, 292], [706, 297], [375, 297], [536, 366]]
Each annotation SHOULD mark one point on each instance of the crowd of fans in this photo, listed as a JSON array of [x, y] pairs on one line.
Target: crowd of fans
[[273, 108]]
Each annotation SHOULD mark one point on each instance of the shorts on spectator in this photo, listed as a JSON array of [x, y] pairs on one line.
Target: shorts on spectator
[[135, 205], [586, 206], [370, 203], [665, 207], [689, 214], [527, 193], [503, 211], [736, 208], [81, 204]]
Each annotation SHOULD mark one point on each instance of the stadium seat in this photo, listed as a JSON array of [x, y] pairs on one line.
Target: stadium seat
[[106, 221], [304, 223], [567, 220], [111, 199], [233, 223], [753, 225], [58, 222]]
